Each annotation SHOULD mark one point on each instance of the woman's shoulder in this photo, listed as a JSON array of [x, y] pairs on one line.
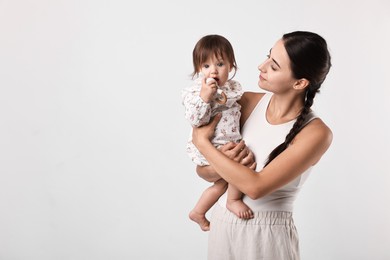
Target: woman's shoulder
[[253, 95], [318, 127], [248, 102], [315, 134]]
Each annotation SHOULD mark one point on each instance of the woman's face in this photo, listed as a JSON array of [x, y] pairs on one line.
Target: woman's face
[[275, 72]]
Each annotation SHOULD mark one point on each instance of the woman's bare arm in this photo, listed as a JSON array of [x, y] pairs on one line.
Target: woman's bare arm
[[306, 150], [237, 152]]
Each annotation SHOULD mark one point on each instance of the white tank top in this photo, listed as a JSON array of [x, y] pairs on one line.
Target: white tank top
[[262, 137]]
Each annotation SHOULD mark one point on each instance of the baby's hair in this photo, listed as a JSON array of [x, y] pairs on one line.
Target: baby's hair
[[310, 59], [210, 45]]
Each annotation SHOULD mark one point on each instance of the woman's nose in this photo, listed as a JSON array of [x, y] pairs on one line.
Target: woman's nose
[[261, 67]]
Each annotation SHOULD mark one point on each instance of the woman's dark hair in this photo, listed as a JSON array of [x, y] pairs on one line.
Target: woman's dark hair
[[309, 59], [212, 45]]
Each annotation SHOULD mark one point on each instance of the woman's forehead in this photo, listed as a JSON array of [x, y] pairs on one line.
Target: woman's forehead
[[279, 53]]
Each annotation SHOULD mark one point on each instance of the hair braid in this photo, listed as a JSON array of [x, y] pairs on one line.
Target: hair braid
[[298, 125], [310, 59]]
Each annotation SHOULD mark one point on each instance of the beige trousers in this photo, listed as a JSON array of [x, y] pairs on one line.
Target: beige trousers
[[270, 235]]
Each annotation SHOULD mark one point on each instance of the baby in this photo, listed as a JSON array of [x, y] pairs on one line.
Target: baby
[[212, 93]]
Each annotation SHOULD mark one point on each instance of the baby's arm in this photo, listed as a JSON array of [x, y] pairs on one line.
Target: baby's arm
[[197, 102], [197, 112]]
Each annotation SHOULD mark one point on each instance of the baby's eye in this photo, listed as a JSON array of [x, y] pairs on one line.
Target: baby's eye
[[205, 66], [220, 64]]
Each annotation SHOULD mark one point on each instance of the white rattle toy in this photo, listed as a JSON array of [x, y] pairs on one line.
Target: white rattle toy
[[221, 96]]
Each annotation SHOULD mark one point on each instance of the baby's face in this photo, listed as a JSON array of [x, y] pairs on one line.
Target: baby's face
[[216, 68]]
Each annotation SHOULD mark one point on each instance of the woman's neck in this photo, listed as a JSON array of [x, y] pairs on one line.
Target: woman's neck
[[283, 108]]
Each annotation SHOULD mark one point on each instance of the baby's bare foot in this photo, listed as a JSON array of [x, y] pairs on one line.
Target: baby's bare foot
[[200, 219], [240, 209]]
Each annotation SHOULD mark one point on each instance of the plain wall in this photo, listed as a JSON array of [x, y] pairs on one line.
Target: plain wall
[[92, 129]]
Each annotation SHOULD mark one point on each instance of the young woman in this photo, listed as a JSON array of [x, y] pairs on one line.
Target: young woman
[[286, 138]]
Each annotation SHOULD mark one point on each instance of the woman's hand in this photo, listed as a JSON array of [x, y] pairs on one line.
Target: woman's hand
[[239, 152]]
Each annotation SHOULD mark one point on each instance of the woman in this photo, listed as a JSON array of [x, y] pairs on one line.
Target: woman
[[286, 138]]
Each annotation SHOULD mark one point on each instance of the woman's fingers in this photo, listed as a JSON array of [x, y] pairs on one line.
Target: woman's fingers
[[215, 120], [227, 149], [249, 159], [253, 166], [239, 152], [239, 147]]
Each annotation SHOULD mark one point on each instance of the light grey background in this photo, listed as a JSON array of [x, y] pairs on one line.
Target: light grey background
[[92, 133]]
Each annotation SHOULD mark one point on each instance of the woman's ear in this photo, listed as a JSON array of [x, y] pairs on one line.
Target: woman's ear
[[301, 84]]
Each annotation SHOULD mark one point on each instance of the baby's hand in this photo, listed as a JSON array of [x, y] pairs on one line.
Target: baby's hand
[[208, 90], [211, 80]]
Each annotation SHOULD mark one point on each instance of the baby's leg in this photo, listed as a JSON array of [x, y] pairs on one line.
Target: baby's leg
[[209, 197], [236, 205]]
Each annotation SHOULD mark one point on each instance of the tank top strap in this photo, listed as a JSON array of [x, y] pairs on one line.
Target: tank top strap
[[310, 117]]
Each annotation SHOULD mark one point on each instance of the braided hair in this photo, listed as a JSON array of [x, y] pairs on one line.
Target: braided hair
[[310, 59]]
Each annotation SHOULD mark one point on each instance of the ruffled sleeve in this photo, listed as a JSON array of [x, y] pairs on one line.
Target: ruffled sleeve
[[233, 91], [197, 112]]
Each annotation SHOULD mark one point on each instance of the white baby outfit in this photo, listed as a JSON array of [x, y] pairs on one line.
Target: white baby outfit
[[199, 113]]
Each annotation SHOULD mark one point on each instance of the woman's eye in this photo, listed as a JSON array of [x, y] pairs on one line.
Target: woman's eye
[[271, 65]]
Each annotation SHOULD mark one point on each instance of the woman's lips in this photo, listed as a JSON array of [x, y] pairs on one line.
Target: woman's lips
[[261, 77]]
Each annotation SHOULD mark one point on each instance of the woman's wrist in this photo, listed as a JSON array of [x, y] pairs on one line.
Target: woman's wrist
[[201, 143]]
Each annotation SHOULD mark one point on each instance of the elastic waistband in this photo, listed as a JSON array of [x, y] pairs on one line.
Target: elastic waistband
[[260, 218]]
